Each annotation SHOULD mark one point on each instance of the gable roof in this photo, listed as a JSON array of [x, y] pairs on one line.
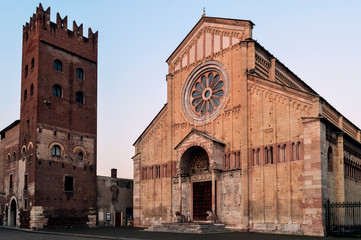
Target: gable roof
[[299, 82], [195, 131], [204, 19], [13, 124], [150, 124]]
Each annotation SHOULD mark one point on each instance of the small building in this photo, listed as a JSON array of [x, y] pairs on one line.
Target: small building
[[115, 200]]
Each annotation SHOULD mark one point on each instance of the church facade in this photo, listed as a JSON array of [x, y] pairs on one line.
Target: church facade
[[243, 137]]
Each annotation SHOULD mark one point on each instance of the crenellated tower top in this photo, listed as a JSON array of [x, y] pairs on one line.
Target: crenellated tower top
[[41, 28]]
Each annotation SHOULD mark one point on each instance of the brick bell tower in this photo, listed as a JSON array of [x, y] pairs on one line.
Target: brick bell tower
[[58, 123]]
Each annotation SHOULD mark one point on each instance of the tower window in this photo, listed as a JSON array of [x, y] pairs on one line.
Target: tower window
[[9, 158], [57, 90], [68, 184], [80, 156], [58, 66], [26, 182], [26, 71], [31, 90], [25, 204], [32, 64], [11, 181], [25, 95], [80, 73], [23, 153], [56, 151], [79, 97], [14, 156]]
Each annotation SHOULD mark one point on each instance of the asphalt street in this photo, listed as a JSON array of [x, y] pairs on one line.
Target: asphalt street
[[135, 234]]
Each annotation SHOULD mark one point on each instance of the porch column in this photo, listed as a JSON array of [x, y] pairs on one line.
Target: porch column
[[213, 193]]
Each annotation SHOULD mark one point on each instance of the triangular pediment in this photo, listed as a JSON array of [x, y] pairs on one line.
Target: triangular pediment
[[195, 133], [209, 37]]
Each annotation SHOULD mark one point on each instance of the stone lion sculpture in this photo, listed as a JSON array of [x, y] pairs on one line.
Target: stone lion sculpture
[[211, 217]]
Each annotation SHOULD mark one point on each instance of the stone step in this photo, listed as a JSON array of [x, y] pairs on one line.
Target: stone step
[[188, 228]]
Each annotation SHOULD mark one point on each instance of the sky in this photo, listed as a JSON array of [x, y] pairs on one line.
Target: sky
[[319, 40]]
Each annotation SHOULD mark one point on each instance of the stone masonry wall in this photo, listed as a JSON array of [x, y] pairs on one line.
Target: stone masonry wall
[[276, 157], [229, 198]]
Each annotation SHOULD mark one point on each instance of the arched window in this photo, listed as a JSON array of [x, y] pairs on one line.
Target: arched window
[[25, 95], [79, 97], [57, 90], [23, 154], [266, 160], [26, 71], [298, 145], [330, 159], [80, 73], [80, 156], [254, 157], [58, 66], [56, 150], [9, 158], [257, 158], [14, 156], [31, 90], [279, 153], [32, 64]]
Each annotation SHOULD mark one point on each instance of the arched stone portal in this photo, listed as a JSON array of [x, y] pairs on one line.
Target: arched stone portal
[[200, 160], [194, 161], [12, 222], [196, 172]]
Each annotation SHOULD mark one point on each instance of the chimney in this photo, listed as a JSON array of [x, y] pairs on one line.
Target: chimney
[[113, 173]]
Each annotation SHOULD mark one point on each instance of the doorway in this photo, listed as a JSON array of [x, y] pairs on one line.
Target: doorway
[[202, 200], [13, 213], [118, 219]]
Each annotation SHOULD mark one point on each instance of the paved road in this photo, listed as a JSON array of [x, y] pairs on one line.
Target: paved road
[[8, 234], [133, 234]]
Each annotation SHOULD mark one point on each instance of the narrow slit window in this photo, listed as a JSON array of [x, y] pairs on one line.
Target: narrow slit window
[[26, 71], [25, 204], [26, 182], [266, 156], [11, 181], [298, 151], [330, 159], [32, 64], [31, 90]]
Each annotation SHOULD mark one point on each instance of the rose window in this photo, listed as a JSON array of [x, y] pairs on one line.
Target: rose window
[[207, 93]]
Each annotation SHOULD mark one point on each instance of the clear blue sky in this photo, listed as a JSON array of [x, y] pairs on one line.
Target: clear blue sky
[[319, 40]]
